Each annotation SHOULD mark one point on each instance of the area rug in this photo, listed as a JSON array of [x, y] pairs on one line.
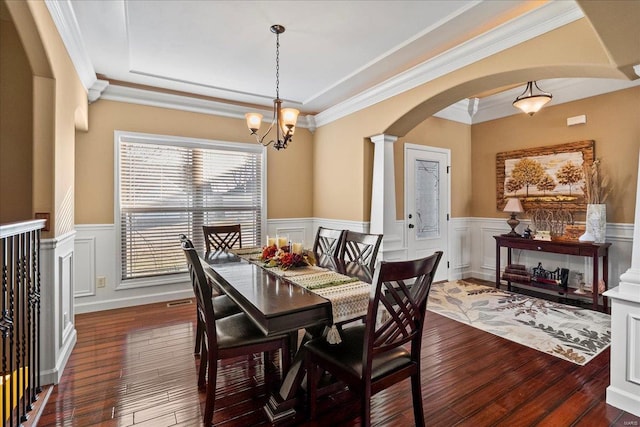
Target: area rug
[[570, 333]]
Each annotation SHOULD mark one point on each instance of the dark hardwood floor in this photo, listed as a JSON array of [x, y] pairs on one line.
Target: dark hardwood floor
[[135, 366]]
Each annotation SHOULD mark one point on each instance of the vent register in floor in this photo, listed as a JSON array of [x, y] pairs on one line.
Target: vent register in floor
[[567, 332]]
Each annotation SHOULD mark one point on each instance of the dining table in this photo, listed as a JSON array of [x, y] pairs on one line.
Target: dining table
[[315, 298]]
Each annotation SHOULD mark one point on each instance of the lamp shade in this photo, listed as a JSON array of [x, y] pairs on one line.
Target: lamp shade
[[289, 117], [529, 102], [513, 205], [254, 120]]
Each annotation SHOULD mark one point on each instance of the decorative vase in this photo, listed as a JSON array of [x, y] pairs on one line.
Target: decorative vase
[[596, 223]]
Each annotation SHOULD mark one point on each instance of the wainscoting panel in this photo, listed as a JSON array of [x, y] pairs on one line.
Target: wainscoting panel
[[85, 284], [57, 334], [633, 343], [65, 290], [460, 248]]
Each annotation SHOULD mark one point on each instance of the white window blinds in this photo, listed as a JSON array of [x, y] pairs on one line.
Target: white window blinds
[[168, 189]]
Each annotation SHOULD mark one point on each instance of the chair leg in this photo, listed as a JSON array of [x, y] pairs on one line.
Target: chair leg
[[312, 388], [199, 334], [416, 391], [211, 392], [202, 372], [365, 409]]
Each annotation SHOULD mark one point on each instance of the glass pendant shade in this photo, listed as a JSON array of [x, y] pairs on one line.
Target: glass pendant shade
[[529, 102], [254, 120]]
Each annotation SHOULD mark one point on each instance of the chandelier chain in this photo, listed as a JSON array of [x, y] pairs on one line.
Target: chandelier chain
[[277, 65]]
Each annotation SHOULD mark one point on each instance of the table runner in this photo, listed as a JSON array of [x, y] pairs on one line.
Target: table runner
[[349, 297]]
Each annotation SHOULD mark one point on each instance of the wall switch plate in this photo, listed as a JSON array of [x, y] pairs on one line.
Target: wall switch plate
[[101, 281]]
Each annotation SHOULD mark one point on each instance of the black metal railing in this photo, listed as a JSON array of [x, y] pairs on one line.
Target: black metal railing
[[20, 319]]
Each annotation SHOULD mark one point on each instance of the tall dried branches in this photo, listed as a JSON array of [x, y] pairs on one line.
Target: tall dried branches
[[596, 184]]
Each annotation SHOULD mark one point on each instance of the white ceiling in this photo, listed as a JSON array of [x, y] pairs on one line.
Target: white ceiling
[[332, 54]]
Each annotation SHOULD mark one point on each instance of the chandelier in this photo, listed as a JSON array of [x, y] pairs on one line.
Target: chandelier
[[529, 102], [284, 119]]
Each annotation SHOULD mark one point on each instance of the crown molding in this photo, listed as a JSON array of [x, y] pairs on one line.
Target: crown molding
[[458, 112], [186, 103], [64, 18], [546, 18]]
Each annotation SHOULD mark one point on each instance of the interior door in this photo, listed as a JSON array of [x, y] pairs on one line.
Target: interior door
[[427, 202]]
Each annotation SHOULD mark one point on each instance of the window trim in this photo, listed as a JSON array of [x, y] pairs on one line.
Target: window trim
[[170, 140]]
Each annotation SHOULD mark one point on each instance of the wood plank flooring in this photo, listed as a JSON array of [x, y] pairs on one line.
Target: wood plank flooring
[[135, 366]]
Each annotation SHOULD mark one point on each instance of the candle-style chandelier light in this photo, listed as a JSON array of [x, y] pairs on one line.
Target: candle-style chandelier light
[[284, 119]]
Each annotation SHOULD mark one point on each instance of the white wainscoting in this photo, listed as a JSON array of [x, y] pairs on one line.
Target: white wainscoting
[[483, 248], [471, 254], [57, 329], [97, 255]]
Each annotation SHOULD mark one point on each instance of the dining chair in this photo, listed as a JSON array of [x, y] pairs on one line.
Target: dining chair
[[222, 237], [361, 248], [226, 337], [223, 305], [327, 242], [372, 356]]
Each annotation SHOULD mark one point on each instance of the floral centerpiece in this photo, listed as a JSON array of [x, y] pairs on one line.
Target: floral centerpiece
[[282, 257]]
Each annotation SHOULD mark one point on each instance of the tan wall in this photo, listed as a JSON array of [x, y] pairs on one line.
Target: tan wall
[[440, 133], [59, 106], [70, 112], [613, 122], [289, 172], [16, 126], [343, 160]]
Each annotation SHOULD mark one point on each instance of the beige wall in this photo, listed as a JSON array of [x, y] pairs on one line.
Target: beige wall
[[16, 126], [59, 107], [440, 133], [613, 122], [289, 172], [342, 154]]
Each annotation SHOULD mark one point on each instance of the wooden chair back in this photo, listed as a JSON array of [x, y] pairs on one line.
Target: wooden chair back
[[400, 289], [361, 248], [327, 242], [222, 237], [202, 291]]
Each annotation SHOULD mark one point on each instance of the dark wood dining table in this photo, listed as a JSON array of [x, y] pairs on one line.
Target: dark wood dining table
[[276, 305]]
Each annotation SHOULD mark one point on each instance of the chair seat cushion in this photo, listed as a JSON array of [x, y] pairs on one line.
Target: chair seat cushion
[[238, 330], [348, 354], [224, 306]]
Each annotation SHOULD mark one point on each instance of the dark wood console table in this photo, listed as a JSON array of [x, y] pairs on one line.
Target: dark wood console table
[[595, 251]]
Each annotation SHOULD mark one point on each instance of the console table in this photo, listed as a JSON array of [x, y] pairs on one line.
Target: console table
[[595, 251]]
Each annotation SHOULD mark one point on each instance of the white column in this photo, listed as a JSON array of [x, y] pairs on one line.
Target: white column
[[383, 189], [624, 390]]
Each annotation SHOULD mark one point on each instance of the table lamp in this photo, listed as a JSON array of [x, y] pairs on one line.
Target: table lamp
[[514, 206]]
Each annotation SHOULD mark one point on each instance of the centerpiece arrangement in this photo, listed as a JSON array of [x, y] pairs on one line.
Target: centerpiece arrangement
[[286, 257]]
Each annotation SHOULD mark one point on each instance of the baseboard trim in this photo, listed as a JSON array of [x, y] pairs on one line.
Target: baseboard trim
[[130, 301]]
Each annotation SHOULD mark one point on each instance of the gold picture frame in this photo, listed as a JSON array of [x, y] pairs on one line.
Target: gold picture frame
[[548, 177]]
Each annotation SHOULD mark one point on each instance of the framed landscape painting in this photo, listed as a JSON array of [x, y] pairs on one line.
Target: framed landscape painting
[[548, 177]]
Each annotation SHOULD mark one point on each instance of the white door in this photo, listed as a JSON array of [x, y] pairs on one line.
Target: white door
[[427, 203]]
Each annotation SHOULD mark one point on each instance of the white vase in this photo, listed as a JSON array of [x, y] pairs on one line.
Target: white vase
[[596, 224]]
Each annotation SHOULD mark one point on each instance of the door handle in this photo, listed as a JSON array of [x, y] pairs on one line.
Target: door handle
[[411, 225]]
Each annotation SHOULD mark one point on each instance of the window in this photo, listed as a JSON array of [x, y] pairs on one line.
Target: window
[[170, 186]]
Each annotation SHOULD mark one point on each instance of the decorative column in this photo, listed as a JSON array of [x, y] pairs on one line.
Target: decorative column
[[383, 192], [624, 390]]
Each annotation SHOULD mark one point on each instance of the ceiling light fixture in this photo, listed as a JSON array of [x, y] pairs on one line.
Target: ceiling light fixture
[[530, 103], [283, 118]]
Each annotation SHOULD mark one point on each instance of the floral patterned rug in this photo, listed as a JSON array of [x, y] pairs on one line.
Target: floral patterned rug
[[571, 333]]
